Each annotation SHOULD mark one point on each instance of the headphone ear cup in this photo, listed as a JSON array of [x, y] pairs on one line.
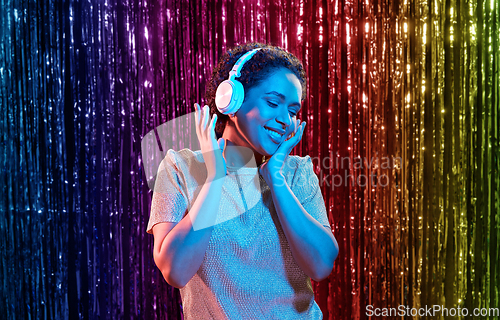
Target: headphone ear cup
[[229, 96], [230, 93], [224, 96], [238, 97]]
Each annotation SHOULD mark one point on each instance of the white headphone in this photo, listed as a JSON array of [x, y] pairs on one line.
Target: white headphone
[[230, 93]]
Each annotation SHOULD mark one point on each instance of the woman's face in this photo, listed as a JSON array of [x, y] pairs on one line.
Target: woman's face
[[267, 116]]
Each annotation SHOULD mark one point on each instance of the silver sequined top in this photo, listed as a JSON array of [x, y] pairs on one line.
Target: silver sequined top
[[248, 271]]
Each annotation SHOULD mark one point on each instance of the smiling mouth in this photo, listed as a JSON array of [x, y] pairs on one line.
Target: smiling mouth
[[276, 136]]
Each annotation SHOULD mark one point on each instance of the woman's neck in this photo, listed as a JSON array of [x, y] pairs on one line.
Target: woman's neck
[[237, 156]]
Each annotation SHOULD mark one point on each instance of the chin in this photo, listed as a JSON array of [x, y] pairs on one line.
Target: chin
[[269, 152]]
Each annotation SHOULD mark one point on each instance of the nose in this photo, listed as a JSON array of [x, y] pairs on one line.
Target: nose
[[284, 118]]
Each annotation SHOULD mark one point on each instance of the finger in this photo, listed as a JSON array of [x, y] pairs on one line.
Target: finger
[[197, 118], [292, 134], [290, 143], [212, 125], [213, 121], [206, 116], [294, 128], [196, 112], [221, 143], [298, 135], [302, 128], [202, 119]]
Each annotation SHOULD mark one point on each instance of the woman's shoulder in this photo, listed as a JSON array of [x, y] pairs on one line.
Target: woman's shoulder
[[184, 153], [296, 163], [189, 165], [185, 158]]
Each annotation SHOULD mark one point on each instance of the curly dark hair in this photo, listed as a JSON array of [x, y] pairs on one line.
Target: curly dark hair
[[254, 71]]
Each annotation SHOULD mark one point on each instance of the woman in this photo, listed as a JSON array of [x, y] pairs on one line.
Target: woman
[[242, 236]]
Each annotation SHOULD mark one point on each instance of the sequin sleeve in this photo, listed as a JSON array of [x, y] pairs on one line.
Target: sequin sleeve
[[169, 202], [305, 185]]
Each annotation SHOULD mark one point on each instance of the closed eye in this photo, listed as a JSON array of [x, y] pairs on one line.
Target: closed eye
[[293, 114]]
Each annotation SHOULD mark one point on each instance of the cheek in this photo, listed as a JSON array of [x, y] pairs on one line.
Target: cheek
[[255, 117]]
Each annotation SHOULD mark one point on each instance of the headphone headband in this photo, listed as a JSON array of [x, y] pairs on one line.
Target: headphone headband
[[236, 71], [230, 93]]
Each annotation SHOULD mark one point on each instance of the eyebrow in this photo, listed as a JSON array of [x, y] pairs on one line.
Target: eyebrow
[[282, 97]]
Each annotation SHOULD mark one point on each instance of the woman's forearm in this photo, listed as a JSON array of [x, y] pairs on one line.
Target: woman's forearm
[[313, 246], [183, 249]]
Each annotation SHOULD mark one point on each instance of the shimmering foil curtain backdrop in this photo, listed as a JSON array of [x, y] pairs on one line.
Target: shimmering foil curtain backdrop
[[402, 104]]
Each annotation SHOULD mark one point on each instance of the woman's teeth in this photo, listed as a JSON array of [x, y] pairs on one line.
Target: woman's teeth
[[274, 134]]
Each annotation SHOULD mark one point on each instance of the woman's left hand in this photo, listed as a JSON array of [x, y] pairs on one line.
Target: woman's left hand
[[271, 169]]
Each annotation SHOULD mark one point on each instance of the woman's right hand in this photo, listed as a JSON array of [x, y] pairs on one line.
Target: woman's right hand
[[211, 149]]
